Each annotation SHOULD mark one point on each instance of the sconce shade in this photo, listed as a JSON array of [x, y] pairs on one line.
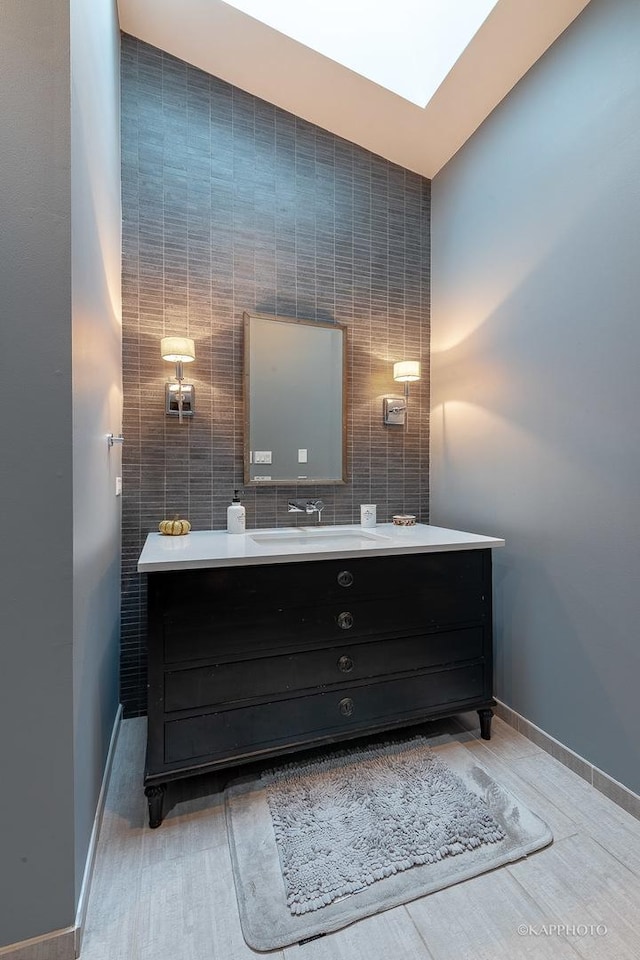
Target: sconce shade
[[406, 370], [178, 349]]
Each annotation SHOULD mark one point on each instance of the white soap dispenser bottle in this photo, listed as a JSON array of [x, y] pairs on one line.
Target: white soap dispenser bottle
[[236, 515]]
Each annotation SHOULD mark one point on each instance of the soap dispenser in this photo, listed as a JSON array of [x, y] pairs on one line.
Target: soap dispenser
[[236, 515]]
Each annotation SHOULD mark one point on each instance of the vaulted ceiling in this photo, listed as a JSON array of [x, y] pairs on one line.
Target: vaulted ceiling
[[226, 42]]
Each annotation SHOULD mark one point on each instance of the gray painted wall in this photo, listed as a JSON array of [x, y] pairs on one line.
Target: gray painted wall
[[36, 696], [60, 342], [97, 397], [535, 382]]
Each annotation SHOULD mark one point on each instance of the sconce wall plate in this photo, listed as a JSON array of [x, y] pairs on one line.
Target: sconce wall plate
[[172, 408], [394, 411]]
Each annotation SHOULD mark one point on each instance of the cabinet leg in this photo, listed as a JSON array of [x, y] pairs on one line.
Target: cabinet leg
[[155, 796], [485, 722]]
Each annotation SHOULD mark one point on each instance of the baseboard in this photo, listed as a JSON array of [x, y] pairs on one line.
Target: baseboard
[[81, 911], [613, 789], [57, 945]]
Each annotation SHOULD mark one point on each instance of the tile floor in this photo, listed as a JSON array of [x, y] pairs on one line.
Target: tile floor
[[168, 894]]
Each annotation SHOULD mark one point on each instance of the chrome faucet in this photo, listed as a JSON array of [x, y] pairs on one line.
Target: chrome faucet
[[306, 506]]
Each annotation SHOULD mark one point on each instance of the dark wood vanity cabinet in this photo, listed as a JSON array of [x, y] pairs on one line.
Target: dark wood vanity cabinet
[[248, 662]]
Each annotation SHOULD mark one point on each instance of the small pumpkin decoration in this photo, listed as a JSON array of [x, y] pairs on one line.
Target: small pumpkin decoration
[[174, 528]]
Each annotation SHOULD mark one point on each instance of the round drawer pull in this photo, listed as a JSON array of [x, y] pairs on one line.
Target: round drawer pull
[[345, 620], [346, 707], [345, 578], [345, 664]]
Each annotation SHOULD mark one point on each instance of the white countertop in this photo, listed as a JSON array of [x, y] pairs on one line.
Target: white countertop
[[217, 548]]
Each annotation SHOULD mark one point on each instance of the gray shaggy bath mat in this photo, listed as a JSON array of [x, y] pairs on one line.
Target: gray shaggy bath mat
[[316, 845], [345, 821]]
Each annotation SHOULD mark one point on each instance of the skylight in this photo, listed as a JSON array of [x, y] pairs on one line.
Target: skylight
[[407, 46]]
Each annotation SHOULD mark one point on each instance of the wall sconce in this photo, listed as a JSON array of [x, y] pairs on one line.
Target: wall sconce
[[179, 396], [395, 411]]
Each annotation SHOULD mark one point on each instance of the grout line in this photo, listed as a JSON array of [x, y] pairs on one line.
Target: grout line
[[429, 955], [540, 906], [610, 853]]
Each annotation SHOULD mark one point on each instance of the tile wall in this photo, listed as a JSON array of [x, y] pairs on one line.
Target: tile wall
[[231, 204]]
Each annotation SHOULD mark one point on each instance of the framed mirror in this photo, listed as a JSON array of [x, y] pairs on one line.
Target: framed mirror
[[294, 401]]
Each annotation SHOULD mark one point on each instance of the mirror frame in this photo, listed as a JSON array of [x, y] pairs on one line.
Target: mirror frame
[[248, 482]]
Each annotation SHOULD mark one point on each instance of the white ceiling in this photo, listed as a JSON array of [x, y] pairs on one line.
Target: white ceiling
[[227, 43]]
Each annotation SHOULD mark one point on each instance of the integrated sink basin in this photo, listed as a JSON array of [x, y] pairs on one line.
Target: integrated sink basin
[[310, 535]]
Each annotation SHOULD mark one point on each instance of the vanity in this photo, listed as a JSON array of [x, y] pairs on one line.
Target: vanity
[[272, 641]]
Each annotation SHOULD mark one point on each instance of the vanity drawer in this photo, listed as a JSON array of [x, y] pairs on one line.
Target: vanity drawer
[[245, 731], [231, 633], [437, 575], [233, 681]]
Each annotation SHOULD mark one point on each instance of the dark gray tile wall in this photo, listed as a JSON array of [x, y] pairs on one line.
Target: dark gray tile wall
[[231, 204]]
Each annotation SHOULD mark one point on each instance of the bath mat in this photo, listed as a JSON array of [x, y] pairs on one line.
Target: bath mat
[[343, 823], [317, 844]]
